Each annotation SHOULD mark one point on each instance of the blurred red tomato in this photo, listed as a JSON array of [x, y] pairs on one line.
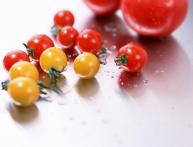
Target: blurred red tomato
[[103, 7], [154, 17]]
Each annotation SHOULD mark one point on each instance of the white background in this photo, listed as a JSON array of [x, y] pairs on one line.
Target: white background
[[158, 114]]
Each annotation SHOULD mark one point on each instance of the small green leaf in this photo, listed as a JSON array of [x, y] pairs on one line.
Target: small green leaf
[[4, 85], [54, 74], [121, 60], [30, 51], [55, 30]]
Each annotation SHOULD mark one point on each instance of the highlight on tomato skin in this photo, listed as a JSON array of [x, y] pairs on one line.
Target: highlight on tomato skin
[[13, 57], [23, 69], [157, 18], [86, 65], [103, 7], [37, 44], [67, 37], [23, 91], [132, 58], [89, 40], [64, 18]]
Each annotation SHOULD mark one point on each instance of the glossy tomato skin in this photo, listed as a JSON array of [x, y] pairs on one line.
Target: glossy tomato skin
[[23, 91], [86, 65], [23, 69], [157, 18], [14, 56], [90, 40], [103, 7], [63, 18], [39, 43], [136, 55], [53, 58], [67, 37]]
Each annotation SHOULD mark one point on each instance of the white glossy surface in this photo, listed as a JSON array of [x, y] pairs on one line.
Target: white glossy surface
[[98, 113]]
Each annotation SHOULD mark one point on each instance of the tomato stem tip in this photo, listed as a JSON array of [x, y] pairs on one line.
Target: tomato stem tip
[[4, 85], [54, 74], [55, 30], [30, 51], [121, 60]]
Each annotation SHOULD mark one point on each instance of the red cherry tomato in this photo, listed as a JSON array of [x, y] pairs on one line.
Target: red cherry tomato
[[154, 17], [132, 58], [67, 37], [63, 18], [90, 41], [39, 43], [103, 7], [14, 56]]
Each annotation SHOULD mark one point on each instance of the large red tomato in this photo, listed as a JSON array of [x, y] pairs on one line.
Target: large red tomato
[[154, 17], [103, 7]]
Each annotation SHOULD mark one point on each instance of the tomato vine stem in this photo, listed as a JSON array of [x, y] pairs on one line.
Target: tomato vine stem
[[30, 51]]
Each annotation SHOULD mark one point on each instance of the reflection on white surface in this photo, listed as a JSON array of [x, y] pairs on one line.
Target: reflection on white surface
[[157, 113]]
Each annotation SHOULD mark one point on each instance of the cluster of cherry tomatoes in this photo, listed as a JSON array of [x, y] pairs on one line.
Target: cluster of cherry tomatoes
[[157, 18], [25, 84]]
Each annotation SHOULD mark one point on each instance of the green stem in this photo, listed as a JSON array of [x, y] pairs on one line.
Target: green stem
[[121, 60], [43, 86], [54, 74], [30, 51], [4, 85], [55, 30]]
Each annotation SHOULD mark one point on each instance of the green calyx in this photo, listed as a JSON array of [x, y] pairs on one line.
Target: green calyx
[[55, 30], [4, 85], [54, 74], [121, 60], [30, 51]]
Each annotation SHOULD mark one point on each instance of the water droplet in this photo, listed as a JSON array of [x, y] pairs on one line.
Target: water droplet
[[84, 123], [105, 121], [110, 28], [114, 47], [71, 118], [135, 86], [145, 81], [157, 71], [114, 34], [122, 83]]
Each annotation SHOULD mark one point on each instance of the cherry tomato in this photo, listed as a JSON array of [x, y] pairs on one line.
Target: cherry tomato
[[23, 69], [154, 17], [23, 91], [103, 7], [86, 65], [14, 56], [90, 41], [132, 58], [53, 58], [67, 37], [63, 18], [39, 43]]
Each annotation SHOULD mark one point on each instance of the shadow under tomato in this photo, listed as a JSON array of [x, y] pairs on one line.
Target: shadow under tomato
[[87, 88], [23, 115], [132, 84], [169, 69], [113, 30]]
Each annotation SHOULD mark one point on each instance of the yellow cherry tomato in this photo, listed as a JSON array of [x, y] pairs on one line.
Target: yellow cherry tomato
[[53, 58], [23, 69], [86, 65], [23, 91]]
